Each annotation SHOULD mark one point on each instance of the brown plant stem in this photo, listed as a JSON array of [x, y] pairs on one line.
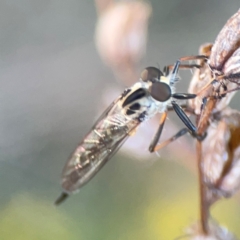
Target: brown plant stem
[[205, 198], [204, 203]]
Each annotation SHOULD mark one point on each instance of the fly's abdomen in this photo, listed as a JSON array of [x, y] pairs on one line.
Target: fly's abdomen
[[94, 151]]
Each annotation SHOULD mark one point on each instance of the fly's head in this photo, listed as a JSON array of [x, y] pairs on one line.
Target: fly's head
[[148, 96], [159, 85]]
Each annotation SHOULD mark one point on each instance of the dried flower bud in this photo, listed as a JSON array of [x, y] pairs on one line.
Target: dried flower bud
[[226, 43], [221, 153], [232, 65], [200, 79], [225, 56], [121, 33], [204, 76]]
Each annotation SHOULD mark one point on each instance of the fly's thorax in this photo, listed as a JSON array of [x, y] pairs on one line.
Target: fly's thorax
[[144, 99]]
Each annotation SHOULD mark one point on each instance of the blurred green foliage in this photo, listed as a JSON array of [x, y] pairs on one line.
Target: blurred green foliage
[[51, 85], [134, 202]]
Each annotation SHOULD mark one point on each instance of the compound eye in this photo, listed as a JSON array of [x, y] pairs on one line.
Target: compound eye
[[160, 91], [151, 73]]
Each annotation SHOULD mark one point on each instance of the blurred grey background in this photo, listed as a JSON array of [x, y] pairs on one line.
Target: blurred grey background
[[52, 80]]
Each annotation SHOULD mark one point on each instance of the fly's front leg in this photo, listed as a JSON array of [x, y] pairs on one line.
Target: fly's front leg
[[186, 108], [167, 69], [184, 96], [186, 120], [183, 116], [195, 57]]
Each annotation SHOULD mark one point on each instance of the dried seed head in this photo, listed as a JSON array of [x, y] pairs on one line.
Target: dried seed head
[[121, 33], [232, 65], [221, 153], [200, 79], [216, 232], [226, 43], [224, 59], [203, 77]]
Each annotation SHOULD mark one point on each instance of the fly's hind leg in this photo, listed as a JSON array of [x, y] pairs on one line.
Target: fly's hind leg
[[179, 134], [154, 146]]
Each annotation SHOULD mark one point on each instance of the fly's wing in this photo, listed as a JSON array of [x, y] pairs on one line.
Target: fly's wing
[[99, 145]]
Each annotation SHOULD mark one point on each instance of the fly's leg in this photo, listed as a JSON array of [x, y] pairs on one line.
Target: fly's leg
[[167, 69], [154, 146], [186, 120], [223, 94], [184, 96], [182, 115], [158, 133], [186, 108], [204, 103], [179, 134], [175, 69], [180, 112], [195, 57]]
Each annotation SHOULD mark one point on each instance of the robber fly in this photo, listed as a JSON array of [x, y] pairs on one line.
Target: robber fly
[[152, 94]]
